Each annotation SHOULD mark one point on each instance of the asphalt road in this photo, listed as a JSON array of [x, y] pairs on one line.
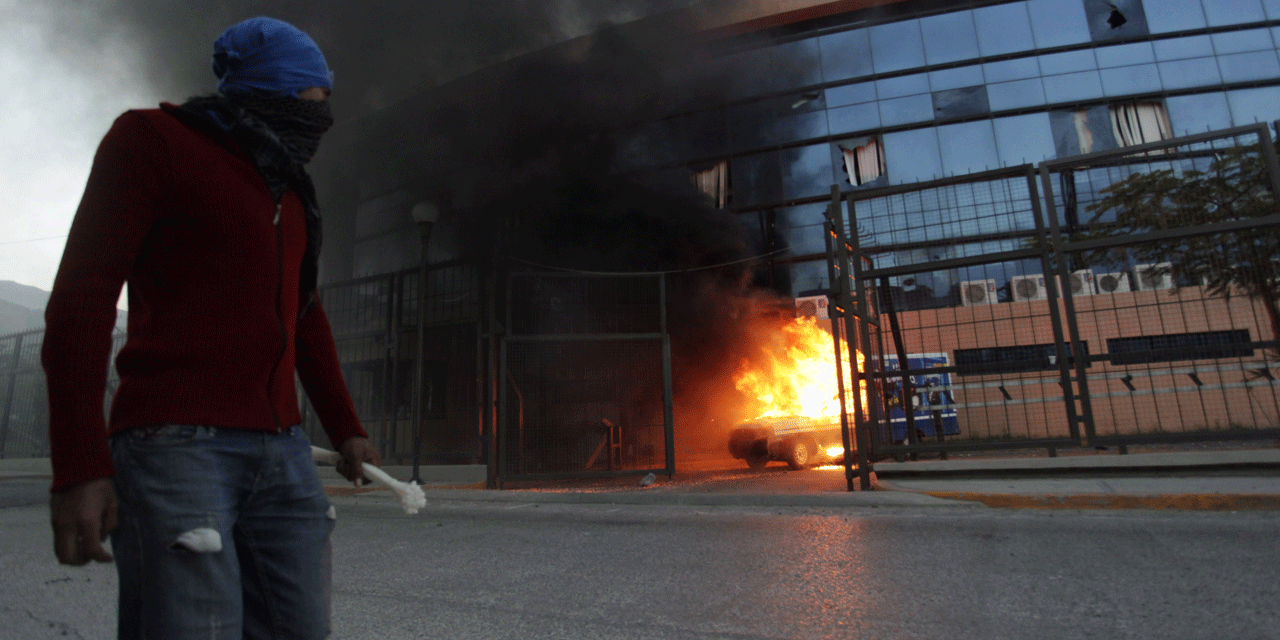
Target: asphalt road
[[472, 570]]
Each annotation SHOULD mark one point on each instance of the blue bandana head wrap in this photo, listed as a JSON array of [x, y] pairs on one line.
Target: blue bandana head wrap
[[265, 55]]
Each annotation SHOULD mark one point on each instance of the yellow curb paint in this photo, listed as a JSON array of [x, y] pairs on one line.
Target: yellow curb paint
[[1180, 502]]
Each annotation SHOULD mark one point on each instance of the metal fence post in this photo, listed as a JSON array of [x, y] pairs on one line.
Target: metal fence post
[[8, 396]]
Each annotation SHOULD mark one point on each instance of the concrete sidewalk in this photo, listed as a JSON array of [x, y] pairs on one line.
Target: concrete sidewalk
[[1201, 480]]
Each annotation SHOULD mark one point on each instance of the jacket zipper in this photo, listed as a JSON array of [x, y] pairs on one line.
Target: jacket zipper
[[284, 332]]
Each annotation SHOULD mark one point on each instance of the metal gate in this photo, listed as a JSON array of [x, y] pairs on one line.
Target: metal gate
[[584, 380], [994, 326]]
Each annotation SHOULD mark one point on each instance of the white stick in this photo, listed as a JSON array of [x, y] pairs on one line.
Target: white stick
[[411, 497]]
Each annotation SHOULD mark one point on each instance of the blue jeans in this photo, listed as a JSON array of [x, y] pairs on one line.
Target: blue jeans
[[223, 534]]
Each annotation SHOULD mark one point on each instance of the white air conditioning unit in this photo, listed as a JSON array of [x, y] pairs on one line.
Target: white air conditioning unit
[[976, 292], [1030, 287], [815, 306], [1081, 283], [1150, 277], [1114, 282]]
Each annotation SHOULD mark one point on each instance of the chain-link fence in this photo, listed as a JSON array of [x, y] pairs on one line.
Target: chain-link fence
[[585, 377]]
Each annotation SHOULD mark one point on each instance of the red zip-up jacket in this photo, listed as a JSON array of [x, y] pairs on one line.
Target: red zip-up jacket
[[212, 263]]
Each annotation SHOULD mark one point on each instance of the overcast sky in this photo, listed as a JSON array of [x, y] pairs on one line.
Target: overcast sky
[[57, 104]]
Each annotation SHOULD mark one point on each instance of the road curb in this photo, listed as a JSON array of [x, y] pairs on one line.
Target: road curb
[[868, 499]]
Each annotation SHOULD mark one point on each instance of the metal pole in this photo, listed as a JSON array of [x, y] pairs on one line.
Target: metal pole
[[419, 407]]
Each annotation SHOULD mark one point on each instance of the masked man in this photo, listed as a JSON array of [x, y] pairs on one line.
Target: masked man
[[202, 476]]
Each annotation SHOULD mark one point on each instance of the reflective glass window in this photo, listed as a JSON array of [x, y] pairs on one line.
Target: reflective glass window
[[1253, 105], [906, 110], [1068, 62], [1055, 22], [1222, 12], [949, 37], [1016, 94], [845, 55], [1243, 67], [1183, 48], [1140, 78], [912, 156], [1198, 113], [806, 171], [1016, 69], [851, 94], [955, 103], [1272, 8], [800, 126], [897, 46], [967, 147], [1165, 16], [707, 133], [1003, 28], [902, 86], [1115, 19], [797, 64], [756, 179], [1242, 41], [1181, 74], [749, 73], [1024, 139], [802, 228], [1123, 55], [1072, 87], [750, 125], [858, 117], [956, 78]]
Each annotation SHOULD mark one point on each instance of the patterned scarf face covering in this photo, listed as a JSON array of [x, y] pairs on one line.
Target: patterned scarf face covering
[[298, 123]]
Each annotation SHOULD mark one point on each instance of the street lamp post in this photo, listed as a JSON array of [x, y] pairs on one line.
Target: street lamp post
[[425, 214]]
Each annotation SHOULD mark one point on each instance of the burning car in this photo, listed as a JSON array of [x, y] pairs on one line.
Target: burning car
[[800, 442]]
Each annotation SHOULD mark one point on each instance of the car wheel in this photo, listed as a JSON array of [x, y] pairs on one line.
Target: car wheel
[[756, 463], [800, 455]]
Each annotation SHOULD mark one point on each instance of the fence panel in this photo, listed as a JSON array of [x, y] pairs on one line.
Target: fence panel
[[585, 378], [986, 353], [1181, 239]]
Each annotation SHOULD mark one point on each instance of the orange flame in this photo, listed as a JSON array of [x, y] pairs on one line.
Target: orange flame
[[794, 374]]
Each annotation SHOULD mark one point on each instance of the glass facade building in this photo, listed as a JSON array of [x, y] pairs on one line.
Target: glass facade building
[[890, 100]]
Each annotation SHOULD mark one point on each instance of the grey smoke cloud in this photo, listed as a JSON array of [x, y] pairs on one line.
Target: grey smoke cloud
[[379, 50]]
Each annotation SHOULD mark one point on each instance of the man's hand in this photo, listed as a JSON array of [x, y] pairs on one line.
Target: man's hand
[[355, 452], [82, 516]]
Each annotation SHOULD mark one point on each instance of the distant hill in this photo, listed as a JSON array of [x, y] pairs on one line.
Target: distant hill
[[23, 295], [22, 308]]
